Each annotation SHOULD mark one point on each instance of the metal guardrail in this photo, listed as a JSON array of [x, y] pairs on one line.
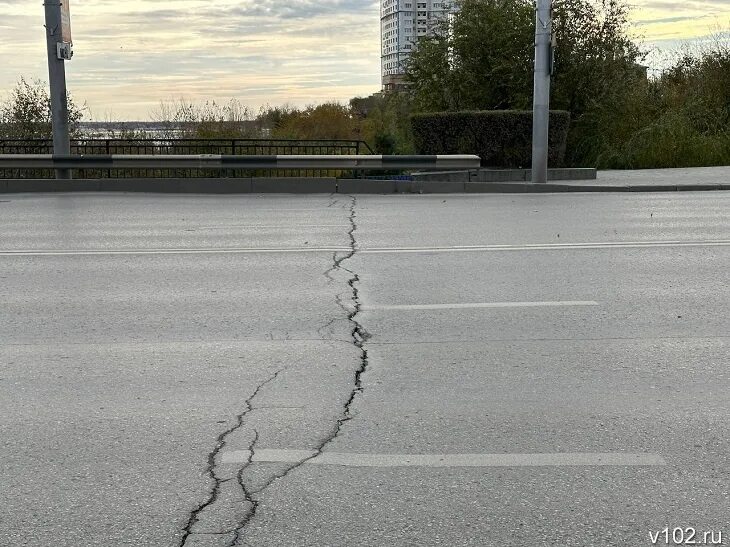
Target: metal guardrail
[[226, 162], [160, 145]]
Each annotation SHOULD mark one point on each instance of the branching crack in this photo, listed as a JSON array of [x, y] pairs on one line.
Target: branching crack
[[331, 269], [210, 469], [252, 503], [359, 337]]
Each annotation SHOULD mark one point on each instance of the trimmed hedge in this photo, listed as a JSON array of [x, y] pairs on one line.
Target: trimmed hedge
[[501, 138]]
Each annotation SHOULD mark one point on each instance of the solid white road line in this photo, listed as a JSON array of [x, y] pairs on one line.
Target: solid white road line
[[444, 460], [272, 226], [482, 305], [547, 247], [104, 252], [373, 250]]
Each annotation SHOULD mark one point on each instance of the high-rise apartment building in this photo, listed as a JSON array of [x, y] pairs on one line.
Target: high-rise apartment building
[[402, 23]]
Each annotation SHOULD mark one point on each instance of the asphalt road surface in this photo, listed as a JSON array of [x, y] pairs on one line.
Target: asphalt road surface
[[516, 370]]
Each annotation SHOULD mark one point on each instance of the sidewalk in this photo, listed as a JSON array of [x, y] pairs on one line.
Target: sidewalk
[[693, 177], [645, 180]]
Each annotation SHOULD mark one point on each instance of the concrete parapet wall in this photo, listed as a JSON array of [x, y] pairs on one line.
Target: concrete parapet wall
[[294, 185], [506, 175]]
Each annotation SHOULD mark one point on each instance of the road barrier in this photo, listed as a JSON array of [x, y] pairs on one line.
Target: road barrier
[[219, 162], [161, 145]]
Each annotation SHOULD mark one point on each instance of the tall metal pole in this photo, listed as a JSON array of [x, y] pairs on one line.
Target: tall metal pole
[[57, 81], [541, 101]]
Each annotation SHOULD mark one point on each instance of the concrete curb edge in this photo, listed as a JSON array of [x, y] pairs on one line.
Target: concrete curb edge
[[325, 186]]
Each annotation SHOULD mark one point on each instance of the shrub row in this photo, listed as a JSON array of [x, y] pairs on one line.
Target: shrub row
[[501, 138]]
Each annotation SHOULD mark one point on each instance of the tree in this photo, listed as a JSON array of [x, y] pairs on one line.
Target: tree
[[325, 121], [208, 120], [26, 113], [480, 59], [385, 122], [484, 60], [680, 118], [596, 61]]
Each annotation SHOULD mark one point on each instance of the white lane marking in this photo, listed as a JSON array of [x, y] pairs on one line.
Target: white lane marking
[[276, 226], [102, 252], [374, 250], [547, 247], [483, 305], [445, 460]]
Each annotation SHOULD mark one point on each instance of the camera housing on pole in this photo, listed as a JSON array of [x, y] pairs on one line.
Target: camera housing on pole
[[60, 49]]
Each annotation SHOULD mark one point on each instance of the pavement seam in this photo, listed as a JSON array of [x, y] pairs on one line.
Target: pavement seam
[[210, 469], [359, 337]]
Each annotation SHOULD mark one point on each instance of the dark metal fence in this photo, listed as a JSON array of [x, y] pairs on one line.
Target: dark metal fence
[[159, 146]]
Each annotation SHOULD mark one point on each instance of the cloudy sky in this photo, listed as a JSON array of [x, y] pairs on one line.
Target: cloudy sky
[[130, 54]]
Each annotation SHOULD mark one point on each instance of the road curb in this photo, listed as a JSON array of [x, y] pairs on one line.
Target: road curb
[[326, 185], [506, 175]]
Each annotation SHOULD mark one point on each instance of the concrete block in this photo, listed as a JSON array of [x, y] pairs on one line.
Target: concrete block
[[406, 187], [177, 185], [567, 173], [365, 186], [500, 175], [445, 176], [51, 185], [442, 187], [139, 185], [573, 173], [215, 186], [294, 185], [552, 188]]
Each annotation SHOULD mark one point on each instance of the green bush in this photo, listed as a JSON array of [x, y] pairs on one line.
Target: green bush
[[680, 118], [26, 112], [672, 141], [501, 138]]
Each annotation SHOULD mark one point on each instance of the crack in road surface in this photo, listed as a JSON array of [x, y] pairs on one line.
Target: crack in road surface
[[253, 503], [210, 469], [359, 336]]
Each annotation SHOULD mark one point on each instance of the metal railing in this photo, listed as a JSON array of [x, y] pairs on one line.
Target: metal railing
[[163, 146], [218, 162]]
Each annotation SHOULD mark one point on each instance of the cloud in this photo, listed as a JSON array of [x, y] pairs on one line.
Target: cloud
[[132, 54], [303, 9], [665, 20]]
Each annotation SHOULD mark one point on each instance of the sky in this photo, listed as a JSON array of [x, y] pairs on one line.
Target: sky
[[132, 54]]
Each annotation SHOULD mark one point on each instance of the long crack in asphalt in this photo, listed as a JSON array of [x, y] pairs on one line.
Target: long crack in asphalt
[[359, 337], [210, 469]]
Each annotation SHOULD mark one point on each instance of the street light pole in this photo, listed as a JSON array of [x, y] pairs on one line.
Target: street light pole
[[57, 52], [541, 98]]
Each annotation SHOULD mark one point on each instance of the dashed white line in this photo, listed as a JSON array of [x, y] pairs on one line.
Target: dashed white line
[[406, 307], [445, 460]]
